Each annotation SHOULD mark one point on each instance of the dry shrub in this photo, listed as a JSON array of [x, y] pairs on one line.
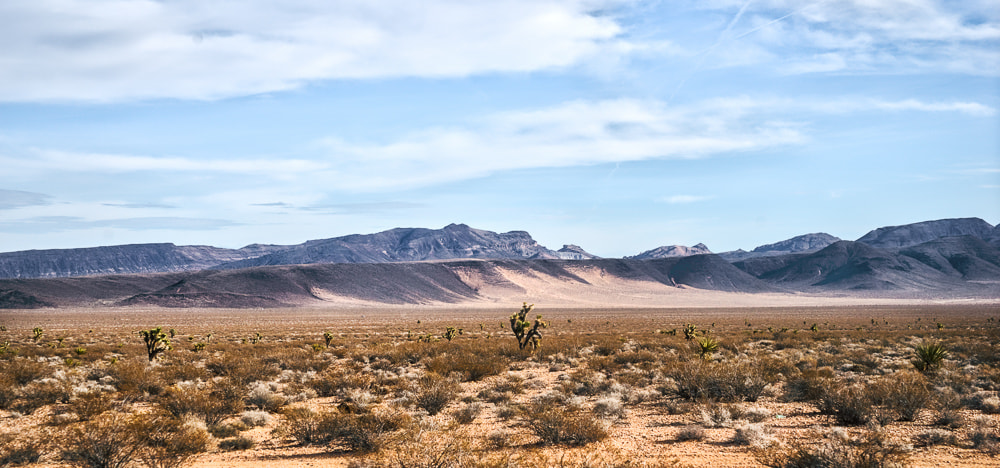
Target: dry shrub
[[136, 379], [897, 397], [809, 384], [256, 418], [435, 393], [473, 367], [264, 398], [754, 435], [338, 381], [722, 381], [236, 443], [243, 367], [366, 432], [213, 404], [933, 436], [111, 440], [89, 404], [691, 432], [983, 435], [25, 370], [40, 393], [169, 443], [181, 371], [20, 450], [559, 425], [467, 413], [874, 450]]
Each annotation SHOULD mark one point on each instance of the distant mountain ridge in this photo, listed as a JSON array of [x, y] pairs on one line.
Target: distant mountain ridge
[[961, 257]]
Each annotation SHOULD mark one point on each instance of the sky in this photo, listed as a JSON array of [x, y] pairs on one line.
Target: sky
[[619, 126]]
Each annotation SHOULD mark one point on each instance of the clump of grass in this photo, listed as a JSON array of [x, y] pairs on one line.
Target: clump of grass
[[435, 393], [874, 450], [467, 413]]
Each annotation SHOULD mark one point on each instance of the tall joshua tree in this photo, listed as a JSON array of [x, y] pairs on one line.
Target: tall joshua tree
[[526, 332], [156, 342]]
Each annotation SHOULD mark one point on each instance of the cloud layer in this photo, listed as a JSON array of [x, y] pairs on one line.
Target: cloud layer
[[105, 50]]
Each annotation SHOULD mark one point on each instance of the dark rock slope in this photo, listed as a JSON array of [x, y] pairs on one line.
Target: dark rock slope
[[894, 237]]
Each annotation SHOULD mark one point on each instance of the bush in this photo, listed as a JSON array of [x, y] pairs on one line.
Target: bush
[[467, 413], [726, 381], [90, 404], [111, 440], [135, 379], [692, 432], [236, 443], [16, 451], [435, 393], [213, 404], [873, 451], [264, 398], [935, 437], [256, 418], [473, 367], [170, 443], [309, 427], [557, 425], [754, 435]]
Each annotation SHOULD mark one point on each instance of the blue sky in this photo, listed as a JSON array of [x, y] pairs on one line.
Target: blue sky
[[616, 125]]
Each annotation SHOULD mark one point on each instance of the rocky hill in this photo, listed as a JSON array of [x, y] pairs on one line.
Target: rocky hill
[[894, 237], [669, 251], [798, 244]]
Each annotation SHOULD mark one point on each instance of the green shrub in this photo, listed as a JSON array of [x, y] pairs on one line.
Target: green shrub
[[929, 356]]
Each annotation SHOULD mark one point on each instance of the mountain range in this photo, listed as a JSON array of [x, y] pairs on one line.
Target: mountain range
[[942, 258]]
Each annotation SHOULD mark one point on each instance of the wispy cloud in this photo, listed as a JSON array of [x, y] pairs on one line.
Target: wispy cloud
[[106, 50], [10, 199], [74, 223], [684, 199], [139, 205], [849, 36], [361, 208]]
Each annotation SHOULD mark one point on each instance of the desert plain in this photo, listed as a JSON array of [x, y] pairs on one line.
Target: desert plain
[[712, 379]]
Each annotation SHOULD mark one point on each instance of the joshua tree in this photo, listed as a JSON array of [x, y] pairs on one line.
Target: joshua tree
[[452, 332], [328, 338], [690, 331], [526, 332], [38, 333], [156, 342]]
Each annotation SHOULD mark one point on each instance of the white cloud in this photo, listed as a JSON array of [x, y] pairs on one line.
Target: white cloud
[[105, 50]]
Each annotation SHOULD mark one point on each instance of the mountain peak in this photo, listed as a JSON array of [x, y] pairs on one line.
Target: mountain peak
[[668, 251]]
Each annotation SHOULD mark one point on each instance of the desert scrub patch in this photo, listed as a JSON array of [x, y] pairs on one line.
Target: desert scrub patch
[[467, 413], [236, 443], [136, 379], [563, 425], [873, 450], [691, 432], [730, 381], [471, 366], [21, 449], [213, 403], [434, 393]]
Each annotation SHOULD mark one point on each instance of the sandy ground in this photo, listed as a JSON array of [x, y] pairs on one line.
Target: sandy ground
[[647, 435]]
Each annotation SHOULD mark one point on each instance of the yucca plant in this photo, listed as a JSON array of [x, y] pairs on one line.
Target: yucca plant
[[707, 346], [929, 356]]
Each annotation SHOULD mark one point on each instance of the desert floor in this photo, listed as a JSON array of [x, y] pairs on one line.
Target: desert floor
[[646, 432]]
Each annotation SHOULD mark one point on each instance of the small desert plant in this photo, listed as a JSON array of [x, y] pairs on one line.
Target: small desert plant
[[707, 346], [930, 437], [264, 398], [559, 425], [451, 332], [17, 451], [754, 435], [691, 432], [526, 332], [224, 431], [256, 418], [90, 404], [236, 443], [929, 357], [37, 333], [156, 342], [690, 331], [112, 440], [874, 450], [435, 393], [310, 427], [327, 338], [467, 413], [171, 443]]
